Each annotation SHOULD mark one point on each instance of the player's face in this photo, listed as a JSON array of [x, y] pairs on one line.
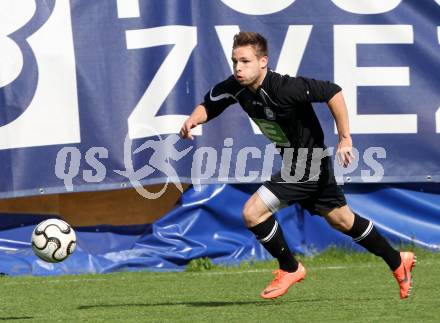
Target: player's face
[[249, 69]]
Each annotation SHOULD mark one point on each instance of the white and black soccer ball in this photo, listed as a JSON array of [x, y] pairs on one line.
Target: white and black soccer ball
[[53, 240]]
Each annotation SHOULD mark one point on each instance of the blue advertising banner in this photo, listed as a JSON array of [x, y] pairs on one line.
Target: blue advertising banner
[[93, 93]]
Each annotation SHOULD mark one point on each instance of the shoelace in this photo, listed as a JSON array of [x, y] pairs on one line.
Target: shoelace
[[279, 274]]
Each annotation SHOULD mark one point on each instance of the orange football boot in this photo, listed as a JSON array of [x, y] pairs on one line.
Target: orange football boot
[[403, 273], [283, 280]]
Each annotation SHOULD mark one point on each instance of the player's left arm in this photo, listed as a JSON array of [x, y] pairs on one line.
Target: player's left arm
[[339, 111], [293, 90]]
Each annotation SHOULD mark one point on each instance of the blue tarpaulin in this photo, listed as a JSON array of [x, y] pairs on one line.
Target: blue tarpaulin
[[208, 223]]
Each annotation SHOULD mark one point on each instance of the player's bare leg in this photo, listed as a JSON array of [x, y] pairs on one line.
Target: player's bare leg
[[258, 218]]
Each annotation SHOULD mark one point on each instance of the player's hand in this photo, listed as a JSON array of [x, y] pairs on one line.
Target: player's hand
[[185, 131], [344, 154]]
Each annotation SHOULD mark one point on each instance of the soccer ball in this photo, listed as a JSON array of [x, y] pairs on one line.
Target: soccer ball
[[53, 240]]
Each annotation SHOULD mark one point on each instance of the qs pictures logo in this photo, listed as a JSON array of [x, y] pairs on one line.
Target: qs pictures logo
[[38, 94]]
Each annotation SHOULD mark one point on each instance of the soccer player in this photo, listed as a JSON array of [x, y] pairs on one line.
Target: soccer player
[[281, 106]]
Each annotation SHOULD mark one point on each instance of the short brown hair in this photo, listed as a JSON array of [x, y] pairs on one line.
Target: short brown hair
[[245, 38]]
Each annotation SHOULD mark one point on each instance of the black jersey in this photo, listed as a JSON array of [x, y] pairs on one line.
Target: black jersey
[[281, 107]]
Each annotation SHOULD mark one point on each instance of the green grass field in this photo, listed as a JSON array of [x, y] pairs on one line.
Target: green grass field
[[339, 287]]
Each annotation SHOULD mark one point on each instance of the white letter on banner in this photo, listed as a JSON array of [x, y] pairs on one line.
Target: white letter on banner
[[72, 170], [437, 114], [258, 7], [12, 18], [293, 49], [377, 167], [349, 76], [437, 121], [290, 56], [225, 160], [197, 173], [99, 167], [51, 117], [240, 167], [184, 39], [128, 8], [367, 7]]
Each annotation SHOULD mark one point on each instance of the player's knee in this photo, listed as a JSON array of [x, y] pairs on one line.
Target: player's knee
[[248, 214], [340, 225], [339, 220]]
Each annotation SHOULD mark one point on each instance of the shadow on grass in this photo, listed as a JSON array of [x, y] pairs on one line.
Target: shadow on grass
[[226, 303], [16, 318]]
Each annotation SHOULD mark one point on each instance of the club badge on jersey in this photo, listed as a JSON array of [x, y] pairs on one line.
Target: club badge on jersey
[[270, 115]]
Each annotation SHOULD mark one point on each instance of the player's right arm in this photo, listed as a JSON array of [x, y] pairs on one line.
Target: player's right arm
[[215, 102], [198, 116]]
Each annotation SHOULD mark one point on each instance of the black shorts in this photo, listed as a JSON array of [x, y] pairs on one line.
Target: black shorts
[[322, 194]]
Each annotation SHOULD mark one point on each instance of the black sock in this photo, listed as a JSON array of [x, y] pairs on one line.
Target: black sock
[[365, 234], [270, 235]]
